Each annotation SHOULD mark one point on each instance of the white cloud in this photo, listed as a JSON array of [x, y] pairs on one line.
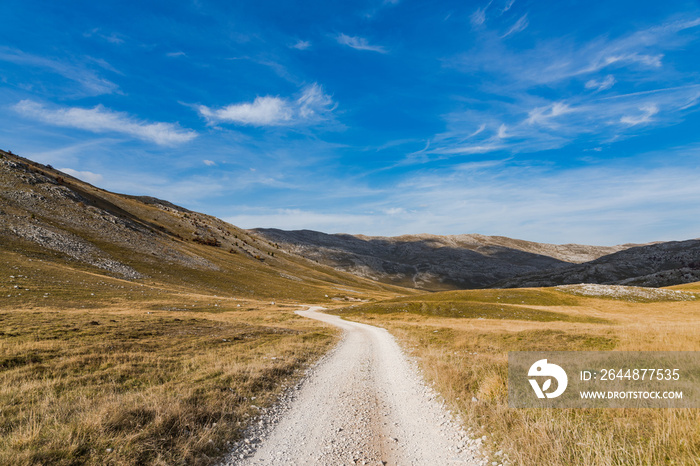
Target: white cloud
[[610, 57], [692, 101], [469, 149], [559, 59], [360, 43], [88, 79], [101, 120], [478, 131], [311, 106], [209, 163], [301, 45], [479, 16], [516, 77], [176, 54], [263, 111], [90, 177], [112, 38], [541, 115], [519, 26], [395, 211], [313, 101], [648, 112], [508, 5], [602, 85], [532, 124]]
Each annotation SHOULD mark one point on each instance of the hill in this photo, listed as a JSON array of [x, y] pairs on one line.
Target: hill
[[432, 262], [49, 216], [655, 265]]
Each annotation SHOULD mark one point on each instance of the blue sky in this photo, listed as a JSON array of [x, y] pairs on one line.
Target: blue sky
[[571, 121]]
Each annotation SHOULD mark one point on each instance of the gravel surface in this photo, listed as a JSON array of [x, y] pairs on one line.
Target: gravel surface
[[364, 403]]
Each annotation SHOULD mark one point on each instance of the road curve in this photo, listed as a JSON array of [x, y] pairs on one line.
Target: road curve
[[363, 404]]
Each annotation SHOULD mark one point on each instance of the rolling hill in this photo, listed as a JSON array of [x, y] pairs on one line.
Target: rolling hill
[[51, 217]]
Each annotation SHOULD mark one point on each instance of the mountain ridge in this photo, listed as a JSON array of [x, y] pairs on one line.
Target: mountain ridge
[[433, 262]]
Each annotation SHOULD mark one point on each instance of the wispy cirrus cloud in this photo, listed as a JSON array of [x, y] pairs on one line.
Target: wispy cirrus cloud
[[507, 6], [103, 120], [360, 43], [519, 26], [112, 38], [648, 112], [301, 45], [311, 106], [479, 16], [602, 85], [91, 82], [535, 123], [557, 60], [544, 115]]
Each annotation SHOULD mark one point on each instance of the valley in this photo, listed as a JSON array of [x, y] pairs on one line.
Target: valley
[[134, 331]]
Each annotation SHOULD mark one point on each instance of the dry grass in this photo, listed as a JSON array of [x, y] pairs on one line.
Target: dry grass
[[467, 357], [163, 370], [98, 370], [113, 386]]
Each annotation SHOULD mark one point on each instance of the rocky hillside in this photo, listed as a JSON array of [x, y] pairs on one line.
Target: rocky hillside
[[433, 262], [661, 264], [47, 215]]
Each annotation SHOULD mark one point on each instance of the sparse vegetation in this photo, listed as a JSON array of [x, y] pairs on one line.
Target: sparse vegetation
[[466, 359], [159, 377]]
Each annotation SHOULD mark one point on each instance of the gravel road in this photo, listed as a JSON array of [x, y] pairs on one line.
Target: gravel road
[[364, 403]]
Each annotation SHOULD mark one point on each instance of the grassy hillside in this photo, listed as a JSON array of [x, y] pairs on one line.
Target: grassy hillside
[[133, 331], [462, 339], [48, 215], [102, 370]]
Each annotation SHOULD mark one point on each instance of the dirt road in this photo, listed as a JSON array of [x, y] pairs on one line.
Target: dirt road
[[363, 404]]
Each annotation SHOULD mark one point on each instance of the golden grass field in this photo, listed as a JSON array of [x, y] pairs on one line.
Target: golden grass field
[[466, 357], [130, 386], [98, 370]]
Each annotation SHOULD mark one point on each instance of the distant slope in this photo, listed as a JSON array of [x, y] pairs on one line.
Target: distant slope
[[432, 262], [48, 215], [661, 264]]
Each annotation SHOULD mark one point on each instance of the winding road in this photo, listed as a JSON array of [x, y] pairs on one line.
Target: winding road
[[364, 403]]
